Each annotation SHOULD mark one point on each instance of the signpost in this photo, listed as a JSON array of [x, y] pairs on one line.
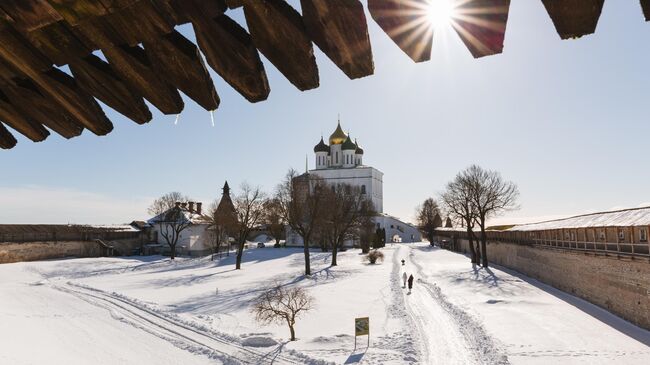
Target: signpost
[[361, 328]]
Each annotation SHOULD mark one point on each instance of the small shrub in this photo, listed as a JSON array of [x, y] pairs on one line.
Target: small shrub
[[277, 245], [374, 256]]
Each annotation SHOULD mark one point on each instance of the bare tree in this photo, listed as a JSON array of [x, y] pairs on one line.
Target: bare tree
[[490, 196], [166, 202], [172, 223], [282, 305], [428, 217], [457, 200], [218, 230], [300, 198], [273, 219], [249, 206], [346, 211]]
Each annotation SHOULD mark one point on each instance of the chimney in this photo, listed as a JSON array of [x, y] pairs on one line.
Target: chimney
[[191, 207], [198, 208], [184, 206], [178, 204]]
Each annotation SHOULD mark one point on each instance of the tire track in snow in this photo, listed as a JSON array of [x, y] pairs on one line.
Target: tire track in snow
[[484, 349], [222, 348]]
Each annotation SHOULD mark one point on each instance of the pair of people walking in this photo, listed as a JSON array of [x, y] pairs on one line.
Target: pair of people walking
[[408, 280]]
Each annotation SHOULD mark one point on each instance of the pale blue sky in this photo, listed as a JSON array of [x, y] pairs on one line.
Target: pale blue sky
[[566, 120]]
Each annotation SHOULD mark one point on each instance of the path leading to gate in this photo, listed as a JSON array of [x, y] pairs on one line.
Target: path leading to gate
[[448, 335]]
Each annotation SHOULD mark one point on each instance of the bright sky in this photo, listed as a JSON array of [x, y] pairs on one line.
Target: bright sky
[[566, 120]]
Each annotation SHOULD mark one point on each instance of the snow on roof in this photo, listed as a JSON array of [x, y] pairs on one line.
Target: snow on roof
[[617, 218], [186, 216]]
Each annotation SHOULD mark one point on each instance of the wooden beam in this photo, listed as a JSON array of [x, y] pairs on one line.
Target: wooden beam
[[229, 50], [20, 122], [645, 6], [7, 141], [133, 66], [98, 78], [57, 42], [574, 18], [279, 33], [340, 30], [406, 23], [19, 54], [30, 102], [139, 22], [78, 11], [29, 15], [234, 4], [180, 61], [186, 10], [481, 25]]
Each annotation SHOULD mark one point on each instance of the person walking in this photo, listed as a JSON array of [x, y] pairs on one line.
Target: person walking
[[404, 277], [410, 283]]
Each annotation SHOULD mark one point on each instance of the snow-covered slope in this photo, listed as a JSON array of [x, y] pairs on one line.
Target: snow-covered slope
[[194, 311]]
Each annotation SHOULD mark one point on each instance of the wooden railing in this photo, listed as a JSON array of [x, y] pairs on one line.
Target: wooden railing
[[563, 239]]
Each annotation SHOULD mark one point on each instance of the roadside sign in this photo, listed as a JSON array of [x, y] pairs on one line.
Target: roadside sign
[[361, 328]]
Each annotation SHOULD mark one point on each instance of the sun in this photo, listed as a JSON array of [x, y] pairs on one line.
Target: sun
[[440, 12]]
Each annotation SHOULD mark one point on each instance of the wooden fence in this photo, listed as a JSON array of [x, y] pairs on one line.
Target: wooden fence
[[622, 241]]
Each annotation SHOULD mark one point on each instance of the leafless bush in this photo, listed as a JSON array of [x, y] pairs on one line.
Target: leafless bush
[[282, 305], [374, 256]]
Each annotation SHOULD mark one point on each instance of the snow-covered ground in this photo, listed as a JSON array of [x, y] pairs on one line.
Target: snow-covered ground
[[148, 310]]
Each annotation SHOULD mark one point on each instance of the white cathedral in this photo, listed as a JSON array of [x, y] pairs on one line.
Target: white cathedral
[[341, 162]]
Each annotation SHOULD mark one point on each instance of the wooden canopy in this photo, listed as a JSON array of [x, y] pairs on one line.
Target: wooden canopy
[[144, 57]]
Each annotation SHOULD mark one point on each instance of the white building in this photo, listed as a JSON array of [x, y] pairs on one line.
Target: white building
[[193, 240], [341, 162]]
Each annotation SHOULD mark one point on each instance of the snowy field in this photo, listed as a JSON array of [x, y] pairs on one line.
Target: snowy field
[[148, 310]]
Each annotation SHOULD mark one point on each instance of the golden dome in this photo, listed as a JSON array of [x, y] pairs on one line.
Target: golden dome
[[338, 136]]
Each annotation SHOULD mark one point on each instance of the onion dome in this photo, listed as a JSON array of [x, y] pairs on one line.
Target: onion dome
[[338, 136], [349, 145], [321, 146], [359, 150]]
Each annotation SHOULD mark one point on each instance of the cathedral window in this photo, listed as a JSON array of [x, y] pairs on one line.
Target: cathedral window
[[643, 235], [337, 157], [363, 189]]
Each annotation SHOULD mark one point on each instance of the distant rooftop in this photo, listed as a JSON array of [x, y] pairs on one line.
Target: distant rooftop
[[615, 218]]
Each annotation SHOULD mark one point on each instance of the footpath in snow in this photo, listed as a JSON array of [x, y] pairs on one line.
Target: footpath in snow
[[506, 317], [147, 310]]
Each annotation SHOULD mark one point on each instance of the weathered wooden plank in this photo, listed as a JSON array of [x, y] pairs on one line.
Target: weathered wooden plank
[[98, 78], [139, 22], [17, 48], [77, 11], [58, 43], [133, 66], [180, 61], [481, 25], [574, 18], [645, 6], [20, 122], [26, 97], [28, 15], [184, 10], [57, 84], [229, 50], [279, 33], [7, 141], [340, 30], [407, 24], [234, 4]]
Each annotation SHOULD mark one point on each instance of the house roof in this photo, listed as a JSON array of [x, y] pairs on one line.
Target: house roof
[[616, 218], [179, 215], [145, 57]]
